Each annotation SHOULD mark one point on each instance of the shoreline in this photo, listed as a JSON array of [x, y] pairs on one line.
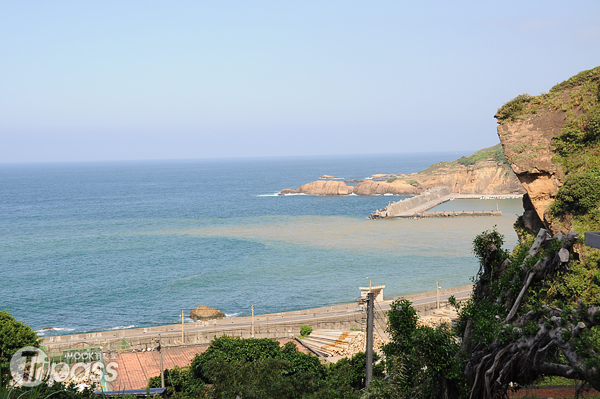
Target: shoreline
[[273, 325]]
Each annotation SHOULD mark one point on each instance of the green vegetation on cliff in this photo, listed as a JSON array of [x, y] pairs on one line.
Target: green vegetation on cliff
[[494, 153], [578, 151], [576, 148], [577, 94]]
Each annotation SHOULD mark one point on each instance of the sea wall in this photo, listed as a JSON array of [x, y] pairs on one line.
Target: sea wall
[[412, 205], [275, 325]]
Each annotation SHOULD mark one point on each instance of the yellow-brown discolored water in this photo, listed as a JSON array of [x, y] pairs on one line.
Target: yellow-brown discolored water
[[103, 246], [425, 237]]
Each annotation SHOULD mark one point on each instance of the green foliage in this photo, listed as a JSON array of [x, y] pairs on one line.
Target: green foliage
[[487, 308], [260, 368], [495, 153], [391, 179], [305, 330], [180, 382], [581, 281], [236, 350], [263, 378], [348, 374], [453, 302], [56, 390], [577, 80], [579, 134], [413, 183], [579, 195], [427, 357], [531, 328], [514, 108], [14, 335], [487, 246]]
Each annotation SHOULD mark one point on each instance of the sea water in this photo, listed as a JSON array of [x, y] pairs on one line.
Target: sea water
[[98, 246]]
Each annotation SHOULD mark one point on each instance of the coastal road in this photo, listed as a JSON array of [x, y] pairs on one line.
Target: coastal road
[[272, 319]]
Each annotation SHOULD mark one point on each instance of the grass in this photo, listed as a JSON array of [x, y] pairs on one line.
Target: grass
[[495, 153]]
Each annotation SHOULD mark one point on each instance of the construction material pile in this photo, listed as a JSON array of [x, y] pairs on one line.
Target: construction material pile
[[438, 317], [340, 343], [433, 321], [80, 374]]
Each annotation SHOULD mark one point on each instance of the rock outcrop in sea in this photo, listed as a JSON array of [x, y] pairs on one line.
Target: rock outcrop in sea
[[321, 187], [206, 313]]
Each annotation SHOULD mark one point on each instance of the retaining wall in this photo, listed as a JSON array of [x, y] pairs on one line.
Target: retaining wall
[[275, 327]]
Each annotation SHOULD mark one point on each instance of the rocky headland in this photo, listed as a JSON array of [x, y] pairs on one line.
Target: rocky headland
[[548, 137], [486, 172]]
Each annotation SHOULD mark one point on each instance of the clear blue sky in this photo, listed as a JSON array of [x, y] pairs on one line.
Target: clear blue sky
[[108, 80]]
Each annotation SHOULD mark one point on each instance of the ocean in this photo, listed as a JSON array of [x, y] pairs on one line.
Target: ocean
[[113, 245]]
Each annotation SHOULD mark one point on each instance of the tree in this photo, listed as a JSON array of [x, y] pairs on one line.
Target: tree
[[519, 325], [421, 361], [14, 335]]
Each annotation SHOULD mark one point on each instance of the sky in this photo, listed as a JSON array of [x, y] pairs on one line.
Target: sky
[[129, 80]]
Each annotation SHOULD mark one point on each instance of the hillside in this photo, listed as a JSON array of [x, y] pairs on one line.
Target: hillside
[[485, 172]]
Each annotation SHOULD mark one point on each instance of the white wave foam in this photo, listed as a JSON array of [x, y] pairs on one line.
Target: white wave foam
[[43, 331], [268, 195], [231, 315], [352, 194], [368, 178], [124, 327]]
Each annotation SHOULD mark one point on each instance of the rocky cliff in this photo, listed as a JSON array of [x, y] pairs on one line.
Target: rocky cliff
[[546, 137], [485, 172]]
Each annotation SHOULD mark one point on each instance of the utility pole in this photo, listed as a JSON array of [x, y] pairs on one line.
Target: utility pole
[[162, 373], [370, 300], [437, 292], [253, 320], [182, 338]]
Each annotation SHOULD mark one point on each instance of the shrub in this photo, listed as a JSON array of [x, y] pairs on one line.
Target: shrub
[[180, 380], [495, 153], [305, 331], [14, 335], [574, 138], [513, 108], [579, 195]]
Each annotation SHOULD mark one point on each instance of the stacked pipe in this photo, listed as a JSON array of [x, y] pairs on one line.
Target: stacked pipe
[[339, 343]]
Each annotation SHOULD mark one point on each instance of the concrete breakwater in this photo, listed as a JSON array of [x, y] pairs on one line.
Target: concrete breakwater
[[417, 206], [451, 214], [410, 206]]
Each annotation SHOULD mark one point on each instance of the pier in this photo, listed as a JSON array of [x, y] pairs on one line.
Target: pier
[[410, 206], [417, 207], [451, 214]]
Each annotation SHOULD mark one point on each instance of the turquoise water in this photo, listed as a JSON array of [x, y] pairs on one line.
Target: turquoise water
[[95, 246]]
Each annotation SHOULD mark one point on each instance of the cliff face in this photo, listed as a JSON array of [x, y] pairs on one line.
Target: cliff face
[[552, 143], [529, 151], [397, 187], [485, 177]]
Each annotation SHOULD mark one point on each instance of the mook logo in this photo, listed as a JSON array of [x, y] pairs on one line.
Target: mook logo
[[30, 367]]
